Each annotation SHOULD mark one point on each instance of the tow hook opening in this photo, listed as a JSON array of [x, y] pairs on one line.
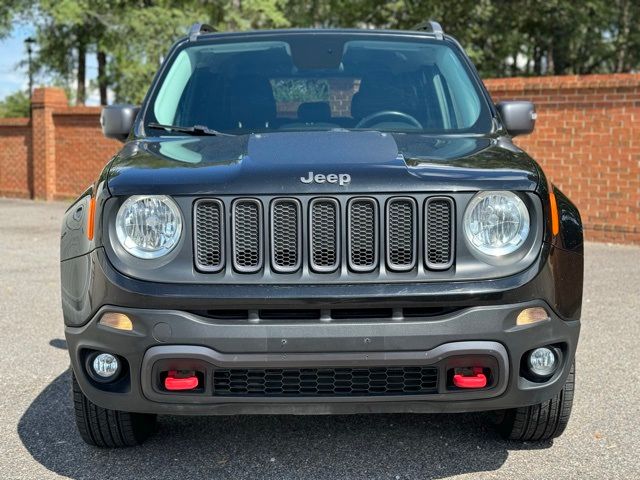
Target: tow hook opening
[[471, 372]]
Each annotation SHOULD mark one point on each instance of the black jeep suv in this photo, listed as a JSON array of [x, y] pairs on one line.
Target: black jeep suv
[[320, 222]]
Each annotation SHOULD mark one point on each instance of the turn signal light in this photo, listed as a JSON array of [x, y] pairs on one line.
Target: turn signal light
[[532, 315], [555, 221], [91, 218], [119, 321]]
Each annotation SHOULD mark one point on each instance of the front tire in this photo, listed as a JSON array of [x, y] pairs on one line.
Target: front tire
[[541, 422], [106, 428]]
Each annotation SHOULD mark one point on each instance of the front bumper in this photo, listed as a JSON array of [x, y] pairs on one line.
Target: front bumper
[[179, 337]]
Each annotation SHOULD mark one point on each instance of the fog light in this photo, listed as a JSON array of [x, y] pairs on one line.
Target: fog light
[[542, 362], [105, 365]]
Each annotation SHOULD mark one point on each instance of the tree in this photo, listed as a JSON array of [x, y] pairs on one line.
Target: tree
[[517, 37], [15, 105]]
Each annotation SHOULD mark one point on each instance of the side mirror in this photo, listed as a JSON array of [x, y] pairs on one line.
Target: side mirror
[[117, 120], [518, 117]]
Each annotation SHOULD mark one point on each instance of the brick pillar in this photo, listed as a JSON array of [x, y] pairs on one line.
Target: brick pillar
[[44, 102]]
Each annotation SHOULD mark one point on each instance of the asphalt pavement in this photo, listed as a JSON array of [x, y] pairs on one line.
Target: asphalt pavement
[[38, 439]]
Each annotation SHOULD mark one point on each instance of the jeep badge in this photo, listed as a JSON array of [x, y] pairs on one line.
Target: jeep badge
[[340, 178]]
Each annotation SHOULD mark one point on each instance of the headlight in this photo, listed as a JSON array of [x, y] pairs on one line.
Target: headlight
[[496, 223], [149, 226]]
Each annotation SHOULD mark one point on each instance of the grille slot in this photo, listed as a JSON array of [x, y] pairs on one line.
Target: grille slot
[[285, 235], [209, 235], [363, 234], [401, 234], [247, 235], [325, 382], [324, 234], [357, 313], [439, 233], [299, 314]]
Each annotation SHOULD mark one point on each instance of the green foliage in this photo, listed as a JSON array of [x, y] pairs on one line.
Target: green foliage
[[309, 90], [503, 38], [15, 105]]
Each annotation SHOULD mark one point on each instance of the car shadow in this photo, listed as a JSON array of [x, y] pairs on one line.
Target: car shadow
[[332, 447]]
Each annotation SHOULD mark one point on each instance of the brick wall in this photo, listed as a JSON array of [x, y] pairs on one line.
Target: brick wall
[[15, 152], [81, 149], [587, 138]]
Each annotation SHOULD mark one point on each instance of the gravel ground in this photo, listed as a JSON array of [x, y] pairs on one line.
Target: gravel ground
[[38, 439]]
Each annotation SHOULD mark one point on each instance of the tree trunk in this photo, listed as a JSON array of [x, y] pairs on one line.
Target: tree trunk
[[623, 37], [81, 93], [551, 65], [102, 76]]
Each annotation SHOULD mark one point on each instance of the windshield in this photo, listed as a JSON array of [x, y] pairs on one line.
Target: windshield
[[320, 82]]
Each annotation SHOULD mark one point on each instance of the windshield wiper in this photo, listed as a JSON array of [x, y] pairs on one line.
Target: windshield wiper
[[195, 130]]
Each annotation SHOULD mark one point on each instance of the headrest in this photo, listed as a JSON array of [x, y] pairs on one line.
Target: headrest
[[252, 101], [314, 112]]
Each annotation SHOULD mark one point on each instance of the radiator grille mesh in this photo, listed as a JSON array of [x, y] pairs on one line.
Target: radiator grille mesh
[[209, 229], [285, 235], [438, 243], [247, 241], [324, 235], [401, 234]]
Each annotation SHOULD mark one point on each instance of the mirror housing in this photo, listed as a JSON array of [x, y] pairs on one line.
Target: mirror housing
[[117, 120], [518, 116]]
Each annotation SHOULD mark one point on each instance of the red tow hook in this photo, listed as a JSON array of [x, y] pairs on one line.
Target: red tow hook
[[476, 380], [174, 382]]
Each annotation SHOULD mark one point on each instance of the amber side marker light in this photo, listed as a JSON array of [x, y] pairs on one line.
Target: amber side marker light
[[532, 315], [555, 221], [119, 321], [91, 218]]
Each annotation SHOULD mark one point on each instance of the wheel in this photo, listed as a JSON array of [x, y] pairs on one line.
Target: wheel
[[544, 421], [102, 427]]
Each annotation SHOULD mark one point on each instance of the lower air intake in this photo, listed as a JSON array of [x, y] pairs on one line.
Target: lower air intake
[[325, 382]]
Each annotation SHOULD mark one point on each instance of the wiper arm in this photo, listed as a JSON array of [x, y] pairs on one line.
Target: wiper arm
[[195, 130]]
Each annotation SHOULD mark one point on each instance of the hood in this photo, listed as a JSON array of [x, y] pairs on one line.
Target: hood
[[288, 162]]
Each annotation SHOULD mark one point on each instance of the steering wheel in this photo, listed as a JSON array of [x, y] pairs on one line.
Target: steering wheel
[[405, 116]]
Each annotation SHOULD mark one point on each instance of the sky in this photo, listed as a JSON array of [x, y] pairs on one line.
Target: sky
[[13, 77]]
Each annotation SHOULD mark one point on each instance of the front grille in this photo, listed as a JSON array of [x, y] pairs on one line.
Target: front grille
[[324, 234], [304, 236], [401, 234], [439, 233], [209, 237], [325, 382], [247, 235]]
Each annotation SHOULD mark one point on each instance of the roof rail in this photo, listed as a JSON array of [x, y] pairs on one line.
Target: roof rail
[[431, 26], [198, 29]]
